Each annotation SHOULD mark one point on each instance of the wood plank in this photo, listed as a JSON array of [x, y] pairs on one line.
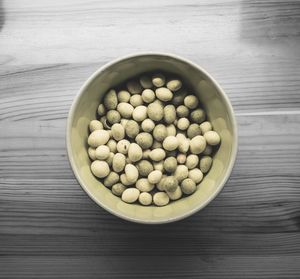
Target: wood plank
[[151, 267], [77, 31], [187, 241], [46, 93], [41, 196], [49, 228]]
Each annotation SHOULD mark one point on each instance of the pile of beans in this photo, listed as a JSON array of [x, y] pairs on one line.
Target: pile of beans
[[152, 142]]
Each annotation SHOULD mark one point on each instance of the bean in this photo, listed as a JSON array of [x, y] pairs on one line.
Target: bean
[[188, 186], [176, 195], [154, 176], [118, 131], [178, 97], [144, 185], [171, 130], [146, 153], [182, 111], [111, 179], [95, 125], [98, 137], [205, 127], [193, 130], [118, 163], [130, 195], [136, 100], [134, 87], [144, 140], [198, 116], [110, 100], [174, 84], [125, 109], [170, 143], [170, 164], [144, 167], [183, 123], [192, 161], [159, 185], [139, 113], [102, 152], [197, 144], [170, 184], [92, 153], [148, 96], [148, 125], [123, 96], [101, 110], [161, 199], [156, 144], [157, 154], [131, 173], [135, 152], [183, 143], [212, 138], [155, 111], [110, 158], [158, 80], [125, 181], [145, 198], [100, 168], [169, 114], [164, 94], [205, 164], [181, 172], [132, 129], [181, 158], [191, 101], [124, 122], [118, 189], [159, 165], [160, 132], [123, 146], [113, 116], [196, 175], [112, 145]]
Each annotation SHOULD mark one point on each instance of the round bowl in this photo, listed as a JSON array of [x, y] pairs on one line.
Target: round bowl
[[219, 112]]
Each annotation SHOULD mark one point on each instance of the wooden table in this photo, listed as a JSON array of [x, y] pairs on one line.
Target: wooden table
[[49, 228]]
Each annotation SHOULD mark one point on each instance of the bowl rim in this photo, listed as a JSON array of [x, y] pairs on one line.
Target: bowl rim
[[231, 117]]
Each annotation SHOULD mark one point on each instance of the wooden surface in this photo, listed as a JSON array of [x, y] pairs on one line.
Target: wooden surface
[[49, 228]]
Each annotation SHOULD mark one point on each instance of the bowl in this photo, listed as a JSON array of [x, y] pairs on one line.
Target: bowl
[[219, 112]]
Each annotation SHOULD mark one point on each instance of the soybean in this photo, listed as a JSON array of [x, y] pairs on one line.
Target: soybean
[[205, 163], [130, 195], [100, 169], [95, 125], [144, 140], [212, 138], [145, 198], [188, 186], [132, 129], [110, 100], [160, 132], [161, 199]]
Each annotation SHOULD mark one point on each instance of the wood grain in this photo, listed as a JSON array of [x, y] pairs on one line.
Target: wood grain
[[152, 267], [49, 228]]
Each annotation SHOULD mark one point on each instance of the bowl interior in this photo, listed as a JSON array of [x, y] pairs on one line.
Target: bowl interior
[[218, 110]]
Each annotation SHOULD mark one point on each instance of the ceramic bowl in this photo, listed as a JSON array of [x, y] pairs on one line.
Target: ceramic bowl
[[211, 96]]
